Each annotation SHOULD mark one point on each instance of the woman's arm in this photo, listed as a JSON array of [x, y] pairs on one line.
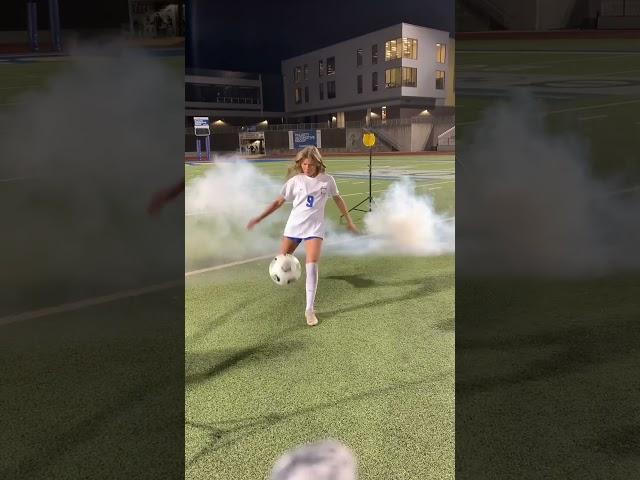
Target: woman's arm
[[164, 196], [345, 213], [275, 205]]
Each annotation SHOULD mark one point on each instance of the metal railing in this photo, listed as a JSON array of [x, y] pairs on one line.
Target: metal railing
[[374, 123]]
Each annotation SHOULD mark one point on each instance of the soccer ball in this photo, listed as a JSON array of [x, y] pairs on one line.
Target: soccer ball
[[285, 269]]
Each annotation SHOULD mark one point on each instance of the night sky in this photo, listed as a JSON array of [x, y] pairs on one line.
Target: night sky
[[254, 36], [74, 14]]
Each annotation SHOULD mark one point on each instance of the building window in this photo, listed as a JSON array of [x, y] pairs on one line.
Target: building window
[[409, 77], [297, 74], [306, 72], [410, 48], [391, 50], [374, 54], [298, 95], [359, 57], [392, 77], [321, 91], [306, 94], [441, 53], [331, 65], [374, 82], [439, 80], [321, 68], [331, 89], [401, 48], [401, 77], [359, 83]]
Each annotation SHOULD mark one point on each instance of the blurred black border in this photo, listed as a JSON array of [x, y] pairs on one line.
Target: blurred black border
[[92, 357], [546, 364]]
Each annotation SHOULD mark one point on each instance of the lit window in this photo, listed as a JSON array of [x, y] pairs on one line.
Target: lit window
[[401, 48], [441, 53], [392, 77], [439, 80], [409, 77], [390, 50], [410, 48]]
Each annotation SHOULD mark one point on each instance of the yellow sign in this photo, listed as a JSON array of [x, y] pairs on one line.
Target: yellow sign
[[369, 139]]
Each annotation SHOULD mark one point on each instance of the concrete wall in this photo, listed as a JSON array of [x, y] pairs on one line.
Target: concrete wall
[[419, 136]]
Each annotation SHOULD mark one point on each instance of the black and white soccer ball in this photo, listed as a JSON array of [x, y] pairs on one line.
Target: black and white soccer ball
[[285, 269]]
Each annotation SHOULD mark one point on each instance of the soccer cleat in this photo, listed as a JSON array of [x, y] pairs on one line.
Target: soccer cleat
[[311, 318]]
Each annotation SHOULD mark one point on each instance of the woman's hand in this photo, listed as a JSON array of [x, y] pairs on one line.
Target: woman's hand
[[352, 228], [252, 223]]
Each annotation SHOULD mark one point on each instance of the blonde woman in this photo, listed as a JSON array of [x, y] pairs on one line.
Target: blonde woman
[[308, 188]]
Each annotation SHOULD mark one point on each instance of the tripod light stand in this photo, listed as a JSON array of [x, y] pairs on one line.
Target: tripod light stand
[[369, 140]]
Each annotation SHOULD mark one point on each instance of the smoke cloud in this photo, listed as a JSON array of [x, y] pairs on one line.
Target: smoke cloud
[[220, 204], [103, 133], [530, 204]]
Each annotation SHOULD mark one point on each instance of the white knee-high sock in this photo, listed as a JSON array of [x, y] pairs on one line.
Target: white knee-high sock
[[312, 284]]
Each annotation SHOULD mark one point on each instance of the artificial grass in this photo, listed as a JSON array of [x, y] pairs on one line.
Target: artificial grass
[[376, 373]]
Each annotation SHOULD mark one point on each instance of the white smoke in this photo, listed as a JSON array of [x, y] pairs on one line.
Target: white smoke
[[403, 222], [218, 207], [529, 204], [92, 144], [220, 204]]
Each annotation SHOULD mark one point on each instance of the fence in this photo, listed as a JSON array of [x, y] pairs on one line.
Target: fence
[[334, 139]]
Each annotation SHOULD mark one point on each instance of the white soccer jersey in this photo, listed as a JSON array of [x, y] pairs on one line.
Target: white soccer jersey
[[309, 196]]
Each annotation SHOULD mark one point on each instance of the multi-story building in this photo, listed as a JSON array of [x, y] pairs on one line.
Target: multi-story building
[[395, 72], [233, 99]]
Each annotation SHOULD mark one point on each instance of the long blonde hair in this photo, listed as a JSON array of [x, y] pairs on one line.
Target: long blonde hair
[[312, 153]]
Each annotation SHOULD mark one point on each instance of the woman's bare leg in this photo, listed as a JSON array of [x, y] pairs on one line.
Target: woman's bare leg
[[288, 246]]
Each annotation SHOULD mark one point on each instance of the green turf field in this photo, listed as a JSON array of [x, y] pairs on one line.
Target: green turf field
[[376, 373], [545, 365], [591, 88], [73, 403]]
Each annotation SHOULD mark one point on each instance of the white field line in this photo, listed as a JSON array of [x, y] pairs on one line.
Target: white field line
[[574, 109], [593, 107], [593, 117], [18, 87], [13, 179], [624, 190], [428, 186], [89, 302]]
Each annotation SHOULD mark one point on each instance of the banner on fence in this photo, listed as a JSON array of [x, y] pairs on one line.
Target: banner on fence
[[304, 138]]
